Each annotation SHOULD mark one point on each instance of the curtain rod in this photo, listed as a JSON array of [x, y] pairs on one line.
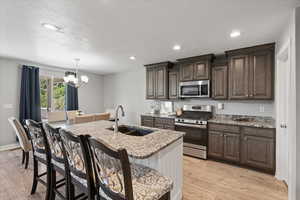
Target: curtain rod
[[56, 69]]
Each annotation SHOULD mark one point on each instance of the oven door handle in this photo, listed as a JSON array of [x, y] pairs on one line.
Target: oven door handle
[[191, 125]]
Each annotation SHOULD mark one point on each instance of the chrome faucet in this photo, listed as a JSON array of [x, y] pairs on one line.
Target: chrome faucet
[[116, 129]]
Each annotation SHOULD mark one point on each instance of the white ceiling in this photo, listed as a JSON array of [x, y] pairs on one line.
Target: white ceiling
[[105, 33]]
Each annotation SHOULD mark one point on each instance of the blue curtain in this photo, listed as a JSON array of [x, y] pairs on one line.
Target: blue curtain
[[30, 105], [71, 96]]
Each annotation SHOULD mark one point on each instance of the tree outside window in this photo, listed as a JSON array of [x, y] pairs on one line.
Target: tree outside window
[[52, 94]]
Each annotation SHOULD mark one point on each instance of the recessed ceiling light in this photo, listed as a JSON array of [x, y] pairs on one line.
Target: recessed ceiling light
[[176, 47], [51, 27], [132, 58], [235, 33]]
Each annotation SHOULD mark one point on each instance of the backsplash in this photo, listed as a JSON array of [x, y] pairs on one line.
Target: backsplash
[[249, 108]]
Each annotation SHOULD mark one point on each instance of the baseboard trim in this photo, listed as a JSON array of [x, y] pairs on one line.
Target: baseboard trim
[[9, 147]]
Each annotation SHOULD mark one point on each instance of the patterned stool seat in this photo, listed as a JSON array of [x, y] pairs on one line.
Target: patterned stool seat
[[147, 183]]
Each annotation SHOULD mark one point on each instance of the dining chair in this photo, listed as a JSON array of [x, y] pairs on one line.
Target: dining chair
[[71, 114], [40, 156], [56, 163], [84, 118], [117, 179], [79, 166], [56, 116], [101, 116], [23, 139]]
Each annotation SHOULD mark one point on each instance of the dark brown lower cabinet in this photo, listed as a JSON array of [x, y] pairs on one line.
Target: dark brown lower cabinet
[[158, 122], [216, 144], [232, 147], [147, 121], [258, 148], [247, 146]]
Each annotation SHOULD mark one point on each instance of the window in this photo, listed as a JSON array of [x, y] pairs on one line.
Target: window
[[52, 94]]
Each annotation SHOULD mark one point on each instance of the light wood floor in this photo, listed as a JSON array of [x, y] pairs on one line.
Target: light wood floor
[[203, 180]]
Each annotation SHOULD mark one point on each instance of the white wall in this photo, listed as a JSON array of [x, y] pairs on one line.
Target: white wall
[[9, 96], [283, 136], [296, 154], [90, 95], [128, 89]]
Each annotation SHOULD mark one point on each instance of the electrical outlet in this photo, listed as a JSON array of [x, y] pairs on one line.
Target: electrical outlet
[[262, 108]]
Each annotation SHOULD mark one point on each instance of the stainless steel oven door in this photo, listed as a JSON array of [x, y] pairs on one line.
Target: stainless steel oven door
[[195, 139]]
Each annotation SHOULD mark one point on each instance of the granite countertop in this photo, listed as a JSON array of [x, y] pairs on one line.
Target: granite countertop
[[137, 146], [160, 115], [254, 121]]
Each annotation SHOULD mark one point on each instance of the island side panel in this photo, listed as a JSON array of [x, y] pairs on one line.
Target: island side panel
[[169, 162]]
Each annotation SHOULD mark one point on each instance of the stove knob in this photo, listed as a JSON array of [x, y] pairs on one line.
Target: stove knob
[[197, 122]]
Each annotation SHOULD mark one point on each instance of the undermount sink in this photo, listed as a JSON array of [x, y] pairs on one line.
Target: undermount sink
[[132, 130]]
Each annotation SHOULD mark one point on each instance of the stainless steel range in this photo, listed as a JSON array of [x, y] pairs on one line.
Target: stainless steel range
[[193, 122]]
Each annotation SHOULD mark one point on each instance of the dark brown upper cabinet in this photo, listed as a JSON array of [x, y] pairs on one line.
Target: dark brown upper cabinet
[[150, 83], [195, 68], [173, 85], [261, 71], [251, 72], [157, 80], [238, 77], [220, 78], [186, 72]]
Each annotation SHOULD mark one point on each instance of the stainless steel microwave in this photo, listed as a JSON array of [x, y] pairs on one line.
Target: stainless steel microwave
[[194, 89]]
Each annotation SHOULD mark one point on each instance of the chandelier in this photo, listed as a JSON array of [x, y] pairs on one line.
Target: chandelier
[[71, 78]]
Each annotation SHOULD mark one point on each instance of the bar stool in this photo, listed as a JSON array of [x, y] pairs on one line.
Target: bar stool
[[77, 163], [23, 139], [37, 135], [56, 163], [117, 179]]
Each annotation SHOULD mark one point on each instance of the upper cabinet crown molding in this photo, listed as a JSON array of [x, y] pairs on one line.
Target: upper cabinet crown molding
[[248, 50], [160, 64], [196, 58]]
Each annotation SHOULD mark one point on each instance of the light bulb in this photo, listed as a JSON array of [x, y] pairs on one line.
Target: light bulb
[[84, 79]]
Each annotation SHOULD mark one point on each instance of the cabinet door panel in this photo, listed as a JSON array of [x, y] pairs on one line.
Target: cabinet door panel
[[161, 84], [173, 85], [150, 83], [215, 144], [232, 147], [219, 82], [260, 86], [147, 121], [201, 71], [238, 77], [186, 72], [258, 152]]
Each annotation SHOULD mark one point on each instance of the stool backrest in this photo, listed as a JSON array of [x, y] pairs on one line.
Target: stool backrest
[[112, 170], [76, 157], [54, 141], [21, 134], [37, 136]]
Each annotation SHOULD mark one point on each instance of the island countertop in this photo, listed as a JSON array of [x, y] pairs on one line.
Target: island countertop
[[140, 147]]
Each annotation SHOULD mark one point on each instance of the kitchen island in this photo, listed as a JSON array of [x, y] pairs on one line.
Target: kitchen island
[[161, 150]]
